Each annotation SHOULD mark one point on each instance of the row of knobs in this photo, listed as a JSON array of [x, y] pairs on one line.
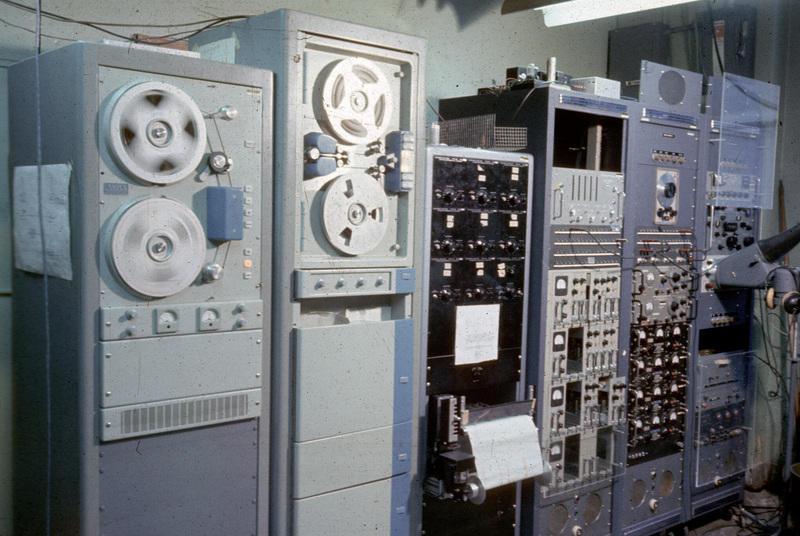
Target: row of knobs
[[478, 293], [449, 247], [481, 198]]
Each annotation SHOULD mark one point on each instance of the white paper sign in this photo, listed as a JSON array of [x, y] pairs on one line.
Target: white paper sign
[[506, 450], [28, 233], [477, 333]]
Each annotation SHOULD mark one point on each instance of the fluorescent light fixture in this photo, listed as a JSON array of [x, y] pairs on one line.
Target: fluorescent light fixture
[[583, 10]]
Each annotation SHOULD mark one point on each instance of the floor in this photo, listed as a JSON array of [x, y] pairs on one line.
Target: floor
[[758, 515]]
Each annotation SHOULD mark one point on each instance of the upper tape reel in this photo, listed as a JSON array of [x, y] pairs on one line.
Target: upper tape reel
[[357, 101], [156, 132]]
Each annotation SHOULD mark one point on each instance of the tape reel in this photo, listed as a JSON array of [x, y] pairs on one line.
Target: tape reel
[[357, 101], [667, 187], [156, 132], [157, 247], [355, 214]]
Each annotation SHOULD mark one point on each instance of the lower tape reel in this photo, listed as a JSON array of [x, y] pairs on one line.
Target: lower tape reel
[[157, 247], [355, 214]]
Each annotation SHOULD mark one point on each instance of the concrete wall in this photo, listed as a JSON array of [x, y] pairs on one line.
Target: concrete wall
[[781, 66], [469, 44]]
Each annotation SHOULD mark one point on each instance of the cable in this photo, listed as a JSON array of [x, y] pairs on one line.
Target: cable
[[783, 329], [769, 348], [691, 271], [668, 248], [222, 145], [697, 46], [755, 519], [152, 40], [61, 18], [775, 371], [99, 26], [714, 37], [227, 250], [521, 104], [442, 119], [752, 97], [45, 280], [591, 235], [30, 31], [735, 84]]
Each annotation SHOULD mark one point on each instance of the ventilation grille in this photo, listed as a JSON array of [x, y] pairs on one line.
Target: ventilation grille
[[183, 414], [510, 138], [481, 131], [175, 415]]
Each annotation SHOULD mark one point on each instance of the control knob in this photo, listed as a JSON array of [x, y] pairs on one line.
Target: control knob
[[450, 196], [448, 246]]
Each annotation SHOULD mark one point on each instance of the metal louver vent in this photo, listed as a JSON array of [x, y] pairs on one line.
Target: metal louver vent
[[181, 414], [121, 423]]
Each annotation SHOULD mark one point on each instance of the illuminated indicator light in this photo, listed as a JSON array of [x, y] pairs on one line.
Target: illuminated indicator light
[[247, 263]]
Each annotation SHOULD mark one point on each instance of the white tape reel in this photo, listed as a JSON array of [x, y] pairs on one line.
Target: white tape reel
[[157, 247], [355, 214], [357, 101], [156, 132]]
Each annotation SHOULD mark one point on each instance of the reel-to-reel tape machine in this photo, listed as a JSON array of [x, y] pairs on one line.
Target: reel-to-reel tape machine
[[165, 275], [352, 211], [160, 333], [349, 120], [352, 102]]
